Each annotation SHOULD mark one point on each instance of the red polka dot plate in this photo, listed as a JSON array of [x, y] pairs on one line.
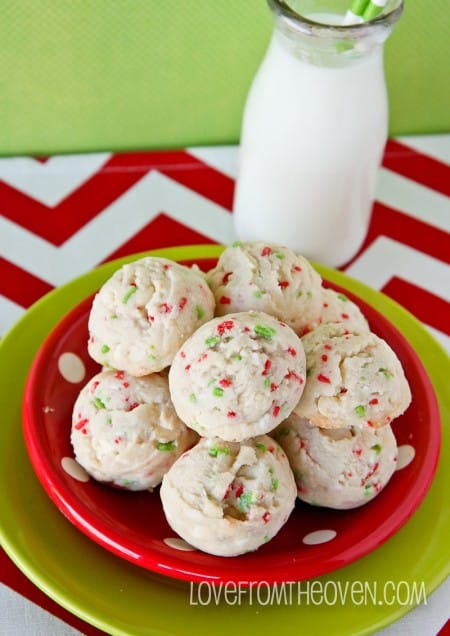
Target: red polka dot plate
[[314, 541]]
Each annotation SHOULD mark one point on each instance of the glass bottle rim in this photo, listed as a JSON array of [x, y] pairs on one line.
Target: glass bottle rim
[[307, 26]]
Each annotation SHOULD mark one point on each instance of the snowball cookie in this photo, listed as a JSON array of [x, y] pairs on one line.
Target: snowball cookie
[[228, 498], [144, 313], [352, 380], [270, 278], [238, 377], [125, 430], [336, 307], [340, 468]]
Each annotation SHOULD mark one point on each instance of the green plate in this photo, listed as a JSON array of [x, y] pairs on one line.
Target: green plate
[[121, 598]]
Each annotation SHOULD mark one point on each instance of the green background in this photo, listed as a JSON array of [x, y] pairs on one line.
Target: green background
[[81, 75]]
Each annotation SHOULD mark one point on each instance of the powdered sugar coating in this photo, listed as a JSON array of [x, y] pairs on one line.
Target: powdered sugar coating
[[144, 313], [238, 376]]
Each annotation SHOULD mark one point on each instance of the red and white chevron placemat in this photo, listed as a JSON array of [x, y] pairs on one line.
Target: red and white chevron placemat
[[63, 215]]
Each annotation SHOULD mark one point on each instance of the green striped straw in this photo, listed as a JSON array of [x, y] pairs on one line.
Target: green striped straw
[[363, 11]]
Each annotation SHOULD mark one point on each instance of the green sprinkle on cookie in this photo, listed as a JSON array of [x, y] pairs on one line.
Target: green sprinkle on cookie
[[131, 290], [99, 404], [166, 446], [215, 451], [265, 332]]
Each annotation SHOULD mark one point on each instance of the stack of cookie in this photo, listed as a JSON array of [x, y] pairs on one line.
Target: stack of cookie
[[233, 381], [125, 431], [338, 438], [282, 380]]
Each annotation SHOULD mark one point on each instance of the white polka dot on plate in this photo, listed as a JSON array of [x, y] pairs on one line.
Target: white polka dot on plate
[[73, 468], [71, 367], [319, 536], [178, 544], [406, 454]]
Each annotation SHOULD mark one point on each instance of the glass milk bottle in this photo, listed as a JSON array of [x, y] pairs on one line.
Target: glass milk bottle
[[314, 130]]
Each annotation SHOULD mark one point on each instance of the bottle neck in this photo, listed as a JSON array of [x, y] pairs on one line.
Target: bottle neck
[[321, 38], [338, 53]]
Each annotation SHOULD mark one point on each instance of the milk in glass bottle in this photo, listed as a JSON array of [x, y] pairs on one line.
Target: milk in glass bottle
[[314, 130]]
